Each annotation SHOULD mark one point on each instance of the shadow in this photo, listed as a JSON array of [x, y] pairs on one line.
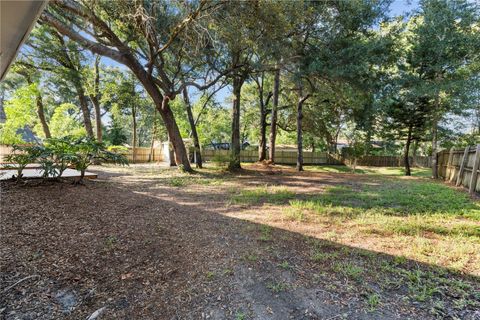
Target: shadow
[[170, 253]]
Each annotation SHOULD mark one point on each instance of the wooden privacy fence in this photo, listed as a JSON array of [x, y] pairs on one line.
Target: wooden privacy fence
[[281, 157], [390, 161], [460, 166], [143, 154]]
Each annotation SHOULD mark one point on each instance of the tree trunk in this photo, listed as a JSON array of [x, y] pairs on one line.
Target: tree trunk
[[134, 132], [299, 131], [262, 144], [193, 128], [273, 117], [235, 141], [154, 134], [435, 137], [95, 98], [41, 116], [85, 110], [407, 151], [181, 156]]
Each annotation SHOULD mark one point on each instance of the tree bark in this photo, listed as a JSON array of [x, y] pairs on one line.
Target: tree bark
[[407, 151], [95, 98], [154, 134], [434, 148], [181, 156], [193, 129], [41, 116], [134, 132], [262, 145], [273, 116], [87, 123], [299, 131], [235, 141]]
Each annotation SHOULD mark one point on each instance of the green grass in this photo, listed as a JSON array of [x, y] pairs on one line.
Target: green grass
[[385, 171], [265, 194], [392, 197]]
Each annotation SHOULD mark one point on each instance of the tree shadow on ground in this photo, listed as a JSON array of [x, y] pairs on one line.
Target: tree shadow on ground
[[142, 256]]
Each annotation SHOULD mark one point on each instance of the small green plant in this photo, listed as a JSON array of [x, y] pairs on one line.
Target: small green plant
[[373, 301], [240, 316], [210, 275], [266, 233], [251, 257], [110, 242], [277, 286], [285, 265]]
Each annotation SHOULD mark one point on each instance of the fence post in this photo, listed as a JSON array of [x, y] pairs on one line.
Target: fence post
[[449, 166], [462, 166], [473, 178]]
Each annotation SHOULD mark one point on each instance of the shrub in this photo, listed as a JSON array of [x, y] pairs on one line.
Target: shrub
[[86, 151], [21, 157]]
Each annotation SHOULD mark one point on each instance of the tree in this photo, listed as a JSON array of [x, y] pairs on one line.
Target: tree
[[150, 39], [444, 41]]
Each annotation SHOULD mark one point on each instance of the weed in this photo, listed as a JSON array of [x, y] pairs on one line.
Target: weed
[[285, 265], [266, 233], [110, 242], [277, 286], [373, 301], [251, 257], [240, 316], [210, 275]]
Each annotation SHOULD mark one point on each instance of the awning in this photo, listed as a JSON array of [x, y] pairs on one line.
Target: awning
[[17, 19]]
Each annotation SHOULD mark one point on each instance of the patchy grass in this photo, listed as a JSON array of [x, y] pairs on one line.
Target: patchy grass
[[265, 194], [384, 171]]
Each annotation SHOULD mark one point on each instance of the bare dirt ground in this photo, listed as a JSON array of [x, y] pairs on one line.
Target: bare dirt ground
[[145, 246]]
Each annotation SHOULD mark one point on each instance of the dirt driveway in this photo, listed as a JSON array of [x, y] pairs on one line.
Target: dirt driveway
[[148, 246]]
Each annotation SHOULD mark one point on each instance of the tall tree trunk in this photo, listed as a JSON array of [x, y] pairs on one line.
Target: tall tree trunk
[[134, 132], [154, 134], [407, 151], [299, 131], [273, 117], [193, 128], [262, 144], [434, 147], [41, 116], [235, 141], [95, 98], [87, 123]]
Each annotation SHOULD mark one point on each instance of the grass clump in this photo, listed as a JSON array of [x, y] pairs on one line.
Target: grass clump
[[265, 194]]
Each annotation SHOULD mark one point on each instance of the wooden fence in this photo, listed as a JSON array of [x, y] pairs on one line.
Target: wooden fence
[[460, 166], [281, 157], [141, 154], [390, 161], [144, 155]]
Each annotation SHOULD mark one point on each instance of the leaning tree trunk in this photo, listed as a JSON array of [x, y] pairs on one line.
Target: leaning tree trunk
[[300, 132], [407, 151], [85, 111], [235, 141], [181, 156], [273, 118], [193, 128], [262, 146], [41, 116]]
